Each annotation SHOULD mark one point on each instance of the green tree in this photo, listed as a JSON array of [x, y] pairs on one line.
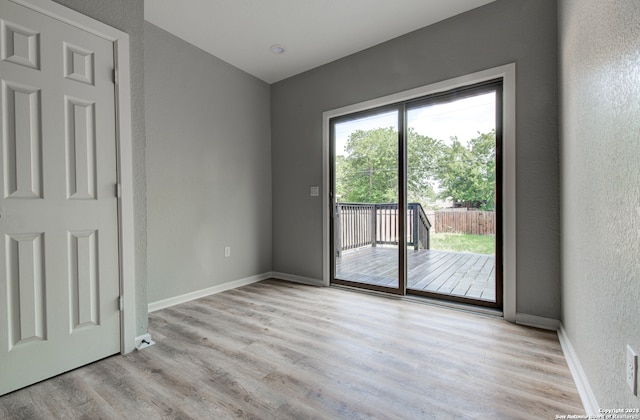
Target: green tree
[[468, 174], [423, 154], [369, 171]]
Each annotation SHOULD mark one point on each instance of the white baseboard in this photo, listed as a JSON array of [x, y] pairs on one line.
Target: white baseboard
[[165, 303], [297, 279], [537, 322], [579, 377]]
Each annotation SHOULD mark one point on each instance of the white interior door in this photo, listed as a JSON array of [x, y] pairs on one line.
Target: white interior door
[[59, 277]]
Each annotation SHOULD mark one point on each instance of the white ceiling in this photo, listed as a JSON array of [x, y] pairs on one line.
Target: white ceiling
[[314, 32]]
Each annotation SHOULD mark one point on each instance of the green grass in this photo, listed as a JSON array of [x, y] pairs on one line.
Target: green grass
[[459, 242]]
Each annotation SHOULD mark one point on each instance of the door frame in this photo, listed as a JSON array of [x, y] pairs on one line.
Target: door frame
[[124, 153], [508, 75], [401, 288]]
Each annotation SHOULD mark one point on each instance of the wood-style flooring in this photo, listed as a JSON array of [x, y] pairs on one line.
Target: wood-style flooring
[[450, 273], [277, 350]]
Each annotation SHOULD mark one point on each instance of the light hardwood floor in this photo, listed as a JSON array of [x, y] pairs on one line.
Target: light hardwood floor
[[276, 350]]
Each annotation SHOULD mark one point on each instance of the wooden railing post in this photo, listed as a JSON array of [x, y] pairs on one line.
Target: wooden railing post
[[421, 227], [338, 232], [374, 219], [415, 219], [428, 238]]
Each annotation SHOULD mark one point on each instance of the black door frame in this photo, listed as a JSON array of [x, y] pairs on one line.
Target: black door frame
[[402, 108]]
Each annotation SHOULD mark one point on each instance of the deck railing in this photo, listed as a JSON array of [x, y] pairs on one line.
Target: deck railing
[[363, 224]]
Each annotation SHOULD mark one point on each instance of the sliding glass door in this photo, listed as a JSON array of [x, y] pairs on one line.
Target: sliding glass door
[[417, 198], [367, 222], [453, 174]]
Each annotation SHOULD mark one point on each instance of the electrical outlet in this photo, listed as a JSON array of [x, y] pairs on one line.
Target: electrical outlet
[[632, 370], [227, 251]]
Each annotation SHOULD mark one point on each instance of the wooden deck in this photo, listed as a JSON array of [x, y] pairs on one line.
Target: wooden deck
[[450, 273]]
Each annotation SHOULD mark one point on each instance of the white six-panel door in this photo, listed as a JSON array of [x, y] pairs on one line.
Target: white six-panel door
[[59, 284]]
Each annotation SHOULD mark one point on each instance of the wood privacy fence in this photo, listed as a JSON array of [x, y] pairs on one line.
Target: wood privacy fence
[[469, 222]]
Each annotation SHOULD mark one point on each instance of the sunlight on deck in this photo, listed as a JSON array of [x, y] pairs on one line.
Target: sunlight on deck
[[450, 273]]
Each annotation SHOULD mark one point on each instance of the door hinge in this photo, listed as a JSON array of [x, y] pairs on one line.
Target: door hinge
[[118, 190], [115, 76], [120, 303]]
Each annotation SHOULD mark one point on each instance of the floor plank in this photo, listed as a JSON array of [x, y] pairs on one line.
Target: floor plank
[[277, 350]]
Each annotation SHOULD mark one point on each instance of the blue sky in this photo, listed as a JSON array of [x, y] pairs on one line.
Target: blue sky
[[462, 118]]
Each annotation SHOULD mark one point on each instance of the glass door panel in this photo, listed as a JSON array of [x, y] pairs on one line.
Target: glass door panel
[[438, 159], [451, 195], [366, 222]]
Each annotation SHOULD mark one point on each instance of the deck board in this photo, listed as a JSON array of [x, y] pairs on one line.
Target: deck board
[[450, 273]]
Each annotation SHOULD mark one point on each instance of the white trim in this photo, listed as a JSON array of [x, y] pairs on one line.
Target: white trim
[[187, 297], [297, 279], [537, 322], [508, 74], [579, 377], [125, 152], [126, 200], [509, 204], [73, 18]]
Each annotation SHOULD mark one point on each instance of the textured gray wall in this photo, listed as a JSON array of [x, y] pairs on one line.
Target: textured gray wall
[[600, 159], [128, 16], [521, 31], [208, 168]]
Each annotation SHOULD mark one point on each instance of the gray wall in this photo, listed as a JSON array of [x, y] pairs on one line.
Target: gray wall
[[521, 31], [128, 16], [600, 159], [208, 168]]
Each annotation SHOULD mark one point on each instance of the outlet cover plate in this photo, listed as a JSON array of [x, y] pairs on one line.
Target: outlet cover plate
[[144, 341], [631, 371]]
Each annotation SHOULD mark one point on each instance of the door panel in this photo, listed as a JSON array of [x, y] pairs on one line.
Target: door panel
[[81, 149], [59, 281], [366, 185], [460, 174], [23, 159], [26, 289]]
